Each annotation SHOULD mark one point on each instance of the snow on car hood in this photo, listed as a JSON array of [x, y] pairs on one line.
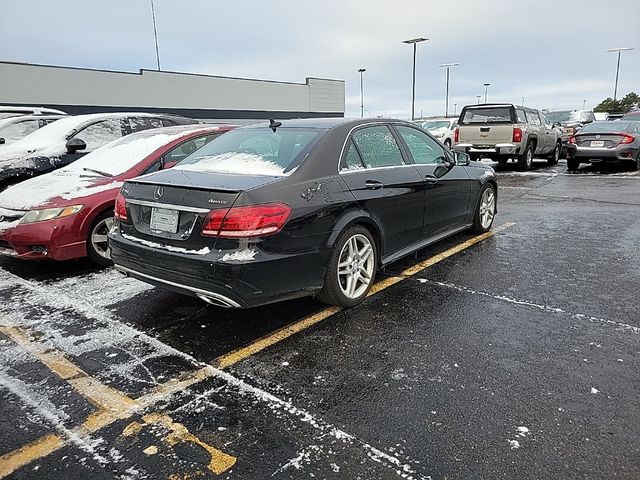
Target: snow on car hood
[[39, 191]]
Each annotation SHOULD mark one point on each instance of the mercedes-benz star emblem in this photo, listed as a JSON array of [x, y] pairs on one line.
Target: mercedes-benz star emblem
[[158, 193]]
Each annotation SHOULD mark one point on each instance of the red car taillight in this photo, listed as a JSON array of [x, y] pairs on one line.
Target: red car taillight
[[572, 140], [456, 135], [627, 139], [120, 210], [517, 135], [246, 222]]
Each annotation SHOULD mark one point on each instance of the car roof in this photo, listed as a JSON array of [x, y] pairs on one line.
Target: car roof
[[324, 123]]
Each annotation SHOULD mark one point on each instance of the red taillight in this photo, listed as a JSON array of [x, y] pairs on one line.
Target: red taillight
[[456, 135], [572, 140], [120, 210], [246, 222], [627, 139], [517, 135]]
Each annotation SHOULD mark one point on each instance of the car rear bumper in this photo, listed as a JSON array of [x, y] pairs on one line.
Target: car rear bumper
[[217, 278], [596, 155], [498, 150]]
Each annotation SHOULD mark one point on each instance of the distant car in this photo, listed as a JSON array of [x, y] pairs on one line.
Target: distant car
[[441, 128], [64, 141], [601, 142], [7, 111], [15, 128], [66, 214], [601, 116], [289, 209], [571, 121], [633, 116]]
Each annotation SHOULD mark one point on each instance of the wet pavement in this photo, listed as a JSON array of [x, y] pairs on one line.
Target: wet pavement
[[514, 355]]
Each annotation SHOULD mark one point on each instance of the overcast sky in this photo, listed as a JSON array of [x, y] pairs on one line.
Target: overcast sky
[[550, 52]]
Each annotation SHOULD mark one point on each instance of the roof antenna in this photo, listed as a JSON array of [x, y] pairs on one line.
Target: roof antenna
[[273, 124]]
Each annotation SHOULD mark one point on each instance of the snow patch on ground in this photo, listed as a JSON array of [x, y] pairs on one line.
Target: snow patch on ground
[[514, 444]]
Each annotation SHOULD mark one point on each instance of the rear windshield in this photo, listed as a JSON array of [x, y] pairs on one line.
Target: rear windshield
[[436, 124], [254, 151], [607, 127], [486, 115]]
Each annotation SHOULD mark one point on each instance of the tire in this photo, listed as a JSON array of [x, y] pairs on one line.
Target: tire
[[98, 250], [525, 161], [447, 143], [572, 164], [341, 268], [485, 209], [636, 165], [554, 156]]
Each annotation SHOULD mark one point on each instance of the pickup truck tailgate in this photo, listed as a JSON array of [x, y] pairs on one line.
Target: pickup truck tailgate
[[485, 134]]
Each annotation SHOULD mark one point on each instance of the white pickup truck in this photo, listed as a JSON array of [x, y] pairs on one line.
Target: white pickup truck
[[504, 131]]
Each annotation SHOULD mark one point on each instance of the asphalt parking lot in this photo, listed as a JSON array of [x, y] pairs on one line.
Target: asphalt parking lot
[[508, 355]]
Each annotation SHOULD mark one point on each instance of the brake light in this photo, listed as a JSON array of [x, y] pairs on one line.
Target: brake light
[[246, 222], [120, 210], [517, 135], [627, 139], [572, 140], [456, 135]]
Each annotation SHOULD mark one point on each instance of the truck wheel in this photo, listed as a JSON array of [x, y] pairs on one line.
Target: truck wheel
[[554, 156], [572, 164], [526, 159]]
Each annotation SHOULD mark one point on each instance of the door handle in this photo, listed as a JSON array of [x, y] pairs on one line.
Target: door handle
[[430, 179], [373, 184]]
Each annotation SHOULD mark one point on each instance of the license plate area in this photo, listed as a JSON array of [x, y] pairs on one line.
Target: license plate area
[[597, 143], [164, 220]]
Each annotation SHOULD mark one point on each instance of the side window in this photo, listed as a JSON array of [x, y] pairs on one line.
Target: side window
[[378, 147], [351, 160], [423, 148], [46, 121], [187, 148], [534, 118], [168, 123], [18, 130], [522, 118], [98, 134], [137, 124]]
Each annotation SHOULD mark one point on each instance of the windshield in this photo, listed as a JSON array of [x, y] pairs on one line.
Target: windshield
[[562, 116], [436, 124], [486, 115], [51, 134], [254, 151], [608, 127]]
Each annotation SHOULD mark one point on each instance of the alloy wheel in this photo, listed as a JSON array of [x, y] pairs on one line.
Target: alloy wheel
[[529, 158], [487, 208], [355, 266], [99, 240]]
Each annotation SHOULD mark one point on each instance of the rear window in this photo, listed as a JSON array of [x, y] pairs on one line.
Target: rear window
[[254, 151], [608, 127], [486, 115]]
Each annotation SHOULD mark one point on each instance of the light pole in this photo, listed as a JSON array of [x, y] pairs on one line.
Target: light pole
[[155, 33], [486, 88], [446, 102], [615, 90], [361, 70], [478, 97], [522, 101], [455, 105], [584, 104], [414, 42]]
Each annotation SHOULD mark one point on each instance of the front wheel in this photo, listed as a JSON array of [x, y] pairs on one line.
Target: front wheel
[[98, 249], [351, 269], [485, 210], [554, 157]]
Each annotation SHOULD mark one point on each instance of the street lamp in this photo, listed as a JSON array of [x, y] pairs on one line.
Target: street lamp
[[478, 97], [522, 101], [486, 87], [414, 42], [446, 103], [455, 106], [361, 70], [155, 33], [615, 91], [584, 104]]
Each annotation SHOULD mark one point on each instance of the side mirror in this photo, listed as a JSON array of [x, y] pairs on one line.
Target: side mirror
[[2, 141], [462, 158], [75, 144]]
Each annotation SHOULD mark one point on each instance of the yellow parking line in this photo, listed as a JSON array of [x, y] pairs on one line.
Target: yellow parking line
[[283, 333]]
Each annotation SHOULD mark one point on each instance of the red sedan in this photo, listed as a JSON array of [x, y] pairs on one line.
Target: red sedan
[[67, 213]]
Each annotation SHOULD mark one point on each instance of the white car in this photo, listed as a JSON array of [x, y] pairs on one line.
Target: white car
[[15, 128], [7, 111], [441, 128]]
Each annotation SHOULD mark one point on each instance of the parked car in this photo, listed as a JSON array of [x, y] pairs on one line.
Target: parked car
[[7, 111], [571, 122], [15, 128], [441, 128], [633, 116], [65, 214], [68, 139], [504, 131], [289, 209], [602, 142]]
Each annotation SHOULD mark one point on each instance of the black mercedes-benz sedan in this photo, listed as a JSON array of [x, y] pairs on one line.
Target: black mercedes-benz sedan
[[288, 209]]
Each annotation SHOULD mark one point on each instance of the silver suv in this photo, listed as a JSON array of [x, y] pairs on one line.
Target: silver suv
[[504, 131]]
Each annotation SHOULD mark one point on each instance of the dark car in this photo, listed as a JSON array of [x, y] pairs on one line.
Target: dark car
[[64, 141], [602, 142], [571, 122], [302, 207], [632, 116]]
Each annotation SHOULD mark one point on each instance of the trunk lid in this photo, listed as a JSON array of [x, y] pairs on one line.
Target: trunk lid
[[485, 135], [486, 125], [600, 140]]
